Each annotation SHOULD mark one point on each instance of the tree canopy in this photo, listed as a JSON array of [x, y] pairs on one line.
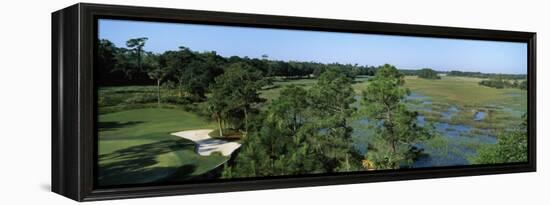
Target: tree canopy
[[397, 129], [235, 93], [428, 73], [301, 132], [511, 147]]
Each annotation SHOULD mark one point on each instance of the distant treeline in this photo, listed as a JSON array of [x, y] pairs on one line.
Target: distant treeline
[[486, 75], [192, 70], [428, 73], [133, 66], [412, 72], [498, 81]]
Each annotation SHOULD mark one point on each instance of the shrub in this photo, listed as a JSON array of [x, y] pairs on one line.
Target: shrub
[[495, 83], [141, 99], [216, 153], [172, 99], [500, 83], [229, 134], [523, 85], [428, 73]]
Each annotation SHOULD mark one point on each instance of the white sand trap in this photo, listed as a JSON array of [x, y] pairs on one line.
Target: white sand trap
[[206, 145]]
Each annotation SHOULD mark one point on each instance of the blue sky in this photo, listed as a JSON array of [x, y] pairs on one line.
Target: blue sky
[[327, 47]]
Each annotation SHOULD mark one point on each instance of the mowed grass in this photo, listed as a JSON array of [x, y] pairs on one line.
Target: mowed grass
[[273, 91], [135, 146]]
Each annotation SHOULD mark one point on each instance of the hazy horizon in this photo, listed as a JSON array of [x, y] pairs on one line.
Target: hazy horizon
[[404, 52]]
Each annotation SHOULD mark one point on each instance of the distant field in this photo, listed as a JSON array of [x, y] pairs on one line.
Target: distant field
[[503, 107], [463, 91], [273, 91], [467, 92], [135, 146]]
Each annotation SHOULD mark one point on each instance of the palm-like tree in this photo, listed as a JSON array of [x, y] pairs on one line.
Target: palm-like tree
[[157, 74], [137, 44]]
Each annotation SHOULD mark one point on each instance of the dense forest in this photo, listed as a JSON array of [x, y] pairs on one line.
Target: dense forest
[[132, 65]]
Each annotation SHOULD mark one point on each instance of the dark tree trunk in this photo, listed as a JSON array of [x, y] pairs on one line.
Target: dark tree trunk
[[158, 92], [220, 125], [295, 122], [139, 57], [245, 110], [391, 131], [180, 89]]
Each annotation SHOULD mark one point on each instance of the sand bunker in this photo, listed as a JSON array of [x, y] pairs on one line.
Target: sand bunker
[[206, 145]]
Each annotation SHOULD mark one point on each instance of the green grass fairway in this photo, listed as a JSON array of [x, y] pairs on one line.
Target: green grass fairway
[[273, 91], [135, 146]]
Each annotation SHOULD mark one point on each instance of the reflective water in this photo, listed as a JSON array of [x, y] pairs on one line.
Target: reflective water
[[457, 142], [480, 115], [447, 115]]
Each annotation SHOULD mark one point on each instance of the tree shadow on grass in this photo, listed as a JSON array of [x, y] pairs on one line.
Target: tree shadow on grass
[[113, 125], [132, 91], [133, 165]]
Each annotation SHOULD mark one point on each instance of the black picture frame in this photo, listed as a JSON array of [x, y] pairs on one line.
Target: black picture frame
[[73, 99]]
